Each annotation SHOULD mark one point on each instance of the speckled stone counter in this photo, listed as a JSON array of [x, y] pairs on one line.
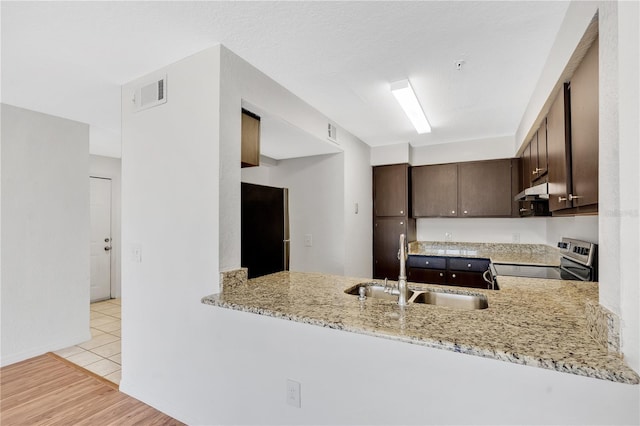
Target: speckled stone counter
[[526, 254], [534, 322]]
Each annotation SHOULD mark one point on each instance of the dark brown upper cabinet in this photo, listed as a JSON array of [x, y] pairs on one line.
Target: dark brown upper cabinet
[[484, 188], [584, 130], [473, 189], [435, 190], [391, 190], [250, 139], [572, 141], [559, 151], [542, 158], [525, 170]]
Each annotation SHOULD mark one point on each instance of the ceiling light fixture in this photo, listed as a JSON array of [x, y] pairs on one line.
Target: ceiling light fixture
[[407, 99]]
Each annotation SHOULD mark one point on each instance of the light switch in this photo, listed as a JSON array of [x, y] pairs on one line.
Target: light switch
[[136, 253], [308, 240]]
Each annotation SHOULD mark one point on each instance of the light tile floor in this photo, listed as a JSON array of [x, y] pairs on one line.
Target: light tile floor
[[101, 354]]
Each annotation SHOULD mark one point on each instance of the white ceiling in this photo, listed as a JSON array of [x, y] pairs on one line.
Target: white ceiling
[[70, 58]]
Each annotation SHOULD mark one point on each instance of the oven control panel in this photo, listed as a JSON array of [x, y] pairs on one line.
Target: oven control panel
[[577, 250]]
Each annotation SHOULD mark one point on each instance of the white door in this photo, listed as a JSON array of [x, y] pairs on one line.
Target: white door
[[100, 200]]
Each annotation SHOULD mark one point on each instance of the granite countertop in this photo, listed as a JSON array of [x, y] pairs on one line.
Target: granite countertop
[[535, 322], [522, 254]]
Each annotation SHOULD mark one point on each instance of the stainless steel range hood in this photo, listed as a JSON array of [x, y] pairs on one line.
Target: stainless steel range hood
[[535, 193]]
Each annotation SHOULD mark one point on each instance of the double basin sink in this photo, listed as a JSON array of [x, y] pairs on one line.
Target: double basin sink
[[430, 297]]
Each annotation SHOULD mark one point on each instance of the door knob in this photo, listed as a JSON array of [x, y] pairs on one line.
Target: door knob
[[107, 248], [106, 240]]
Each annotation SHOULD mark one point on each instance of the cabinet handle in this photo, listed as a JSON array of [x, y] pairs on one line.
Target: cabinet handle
[[561, 199], [441, 274], [453, 212], [401, 211], [523, 210], [574, 197], [465, 212], [401, 223], [536, 171], [426, 263], [468, 265], [453, 275]]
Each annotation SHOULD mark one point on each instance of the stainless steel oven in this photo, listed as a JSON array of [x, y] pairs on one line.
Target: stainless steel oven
[[578, 262]]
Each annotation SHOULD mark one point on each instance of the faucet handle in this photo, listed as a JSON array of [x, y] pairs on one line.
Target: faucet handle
[[362, 293]]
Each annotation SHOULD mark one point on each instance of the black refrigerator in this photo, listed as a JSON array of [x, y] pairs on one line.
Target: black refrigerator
[[265, 229]]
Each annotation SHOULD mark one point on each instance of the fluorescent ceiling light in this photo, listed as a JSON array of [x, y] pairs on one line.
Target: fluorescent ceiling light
[[406, 97]]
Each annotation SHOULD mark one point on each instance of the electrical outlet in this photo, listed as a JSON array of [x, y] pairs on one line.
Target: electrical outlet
[[308, 240], [293, 393]]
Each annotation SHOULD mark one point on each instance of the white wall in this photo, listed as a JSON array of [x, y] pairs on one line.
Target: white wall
[[241, 81], [179, 171], [391, 154], [323, 191], [45, 233], [352, 379], [627, 211], [473, 150], [531, 230], [110, 167], [104, 142], [580, 227], [358, 226], [316, 207], [170, 210]]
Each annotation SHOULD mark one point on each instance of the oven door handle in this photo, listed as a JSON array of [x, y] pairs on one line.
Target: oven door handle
[[490, 280]]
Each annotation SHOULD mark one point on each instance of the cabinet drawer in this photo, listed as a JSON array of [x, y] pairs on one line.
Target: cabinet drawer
[[427, 262], [466, 279], [467, 264], [431, 276]]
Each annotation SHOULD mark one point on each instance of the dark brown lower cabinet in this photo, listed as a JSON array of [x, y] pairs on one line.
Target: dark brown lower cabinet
[[386, 243], [456, 271], [433, 276], [466, 279]]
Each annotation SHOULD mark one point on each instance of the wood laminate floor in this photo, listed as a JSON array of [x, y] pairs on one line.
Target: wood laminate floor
[[48, 390]]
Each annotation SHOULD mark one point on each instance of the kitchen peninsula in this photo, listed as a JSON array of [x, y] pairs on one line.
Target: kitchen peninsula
[[535, 322]]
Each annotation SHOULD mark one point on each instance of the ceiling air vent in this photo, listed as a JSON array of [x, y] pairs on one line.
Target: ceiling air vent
[[151, 94], [332, 133]]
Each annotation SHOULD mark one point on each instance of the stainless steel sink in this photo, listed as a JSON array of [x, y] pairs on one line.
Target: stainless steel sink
[[452, 300], [429, 297], [375, 290]]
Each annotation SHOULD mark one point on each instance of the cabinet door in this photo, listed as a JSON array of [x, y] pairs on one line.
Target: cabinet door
[[484, 188], [558, 145], [390, 190], [250, 139], [386, 243], [435, 190], [584, 129], [466, 279], [526, 167], [542, 149], [533, 158], [431, 276]]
